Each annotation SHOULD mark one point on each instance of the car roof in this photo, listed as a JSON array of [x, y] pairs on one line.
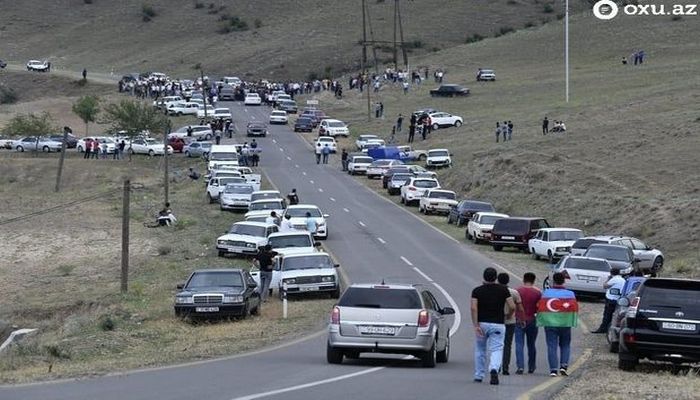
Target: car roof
[[254, 223], [559, 229], [441, 190], [568, 257], [290, 233], [491, 214], [217, 270], [438, 150], [266, 191], [603, 237], [331, 120], [524, 218], [383, 286], [303, 206], [307, 254], [605, 245], [268, 200]]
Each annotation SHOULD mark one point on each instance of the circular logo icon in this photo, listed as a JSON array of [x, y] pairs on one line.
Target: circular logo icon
[[605, 9]]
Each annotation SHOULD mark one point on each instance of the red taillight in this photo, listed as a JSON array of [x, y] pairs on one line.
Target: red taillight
[[411, 188], [566, 274], [335, 316], [423, 319], [628, 338]]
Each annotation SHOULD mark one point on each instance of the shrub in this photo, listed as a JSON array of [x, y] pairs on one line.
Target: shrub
[[55, 350], [87, 1], [415, 44], [164, 250], [504, 30], [512, 2], [233, 24], [474, 38], [198, 5], [548, 9], [258, 23], [529, 24], [561, 16], [7, 95], [148, 12], [106, 323], [65, 269]]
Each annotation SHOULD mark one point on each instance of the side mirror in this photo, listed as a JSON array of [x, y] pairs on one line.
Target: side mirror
[[336, 265], [180, 286], [326, 215], [447, 311], [623, 301], [253, 285]]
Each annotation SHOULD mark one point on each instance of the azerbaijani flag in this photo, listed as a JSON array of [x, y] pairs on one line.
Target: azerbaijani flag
[[557, 308]]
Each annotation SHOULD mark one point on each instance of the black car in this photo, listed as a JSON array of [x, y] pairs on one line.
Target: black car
[[629, 290], [3, 64], [463, 211], [386, 176], [515, 232], [662, 323], [218, 293], [227, 94], [449, 91], [257, 129], [290, 106], [71, 141], [304, 124]]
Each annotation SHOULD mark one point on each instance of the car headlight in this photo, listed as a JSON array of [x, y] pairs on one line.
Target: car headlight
[[322, 223], [327, 278], [250, 245], [221, 241], [184, 300], [289, 281], [233, 299], [562, 248]]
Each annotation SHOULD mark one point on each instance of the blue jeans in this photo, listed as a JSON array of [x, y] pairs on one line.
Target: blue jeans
[[265, 279], [530, 332], [491, 342], [558, 347]]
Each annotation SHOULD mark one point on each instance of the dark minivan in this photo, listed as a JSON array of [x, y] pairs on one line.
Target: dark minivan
[[515, 232], [465, 209], [662, 323]]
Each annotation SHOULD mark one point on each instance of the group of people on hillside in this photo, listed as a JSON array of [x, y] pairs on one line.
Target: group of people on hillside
[[636, 56], [557, 127], [504, 130]]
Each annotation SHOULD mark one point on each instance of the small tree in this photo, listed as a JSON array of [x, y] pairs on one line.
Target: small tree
[[87, 108], [134, 117], [29, 125]]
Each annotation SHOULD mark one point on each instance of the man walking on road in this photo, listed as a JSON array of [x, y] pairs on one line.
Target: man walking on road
[[498, 131], [487, 310], [525, 326], [557, 312], [614, 286], [326, 151], [264, 261], [344, 159], [318, 152], [510, 319]]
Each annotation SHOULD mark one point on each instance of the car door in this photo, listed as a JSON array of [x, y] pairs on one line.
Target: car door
[[536, 244], [434, 309], [252, 286], [643, 253]]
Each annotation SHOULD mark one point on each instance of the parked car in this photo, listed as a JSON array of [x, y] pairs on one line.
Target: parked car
[[278, 117], [651, 260], [148, 146], [244, 238], [307, 273], [553, 243], [415, 188], [398, 319], [182, 108], [409, 153], [303, 124], [662, 323], [71, 141], [3, 64], [197, 149], [252, 99], [397, 181], [358, 164], [236, 196], [619, 257], [36, 65], [294, 242], [485, 74], [227, 94], [216, 185], [315, 115], [449, 91], [209, 111], [32, 143], [5, 142], [443, 119], [199, 132], [218, 293], [333, 127], [372, 144], [298, 218], [437, 201], [289, 106], [329, 141], [386, 176], [363, 139], [464, 210], [86, 143], [164, 102], [266, 207], [222, 113], [377, 168], [515, 232], [265, 194], [629, 290], [438, 158], [584, 275], [480, 225], [256, 129]]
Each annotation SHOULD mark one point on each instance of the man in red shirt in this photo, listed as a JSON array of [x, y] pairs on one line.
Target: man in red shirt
[[526, 326]]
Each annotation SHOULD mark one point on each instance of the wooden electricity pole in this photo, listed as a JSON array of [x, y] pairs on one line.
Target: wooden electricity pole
[[404, 53], [364, 57], [62, 157], [166, 188], [396, 20], [125, 236]]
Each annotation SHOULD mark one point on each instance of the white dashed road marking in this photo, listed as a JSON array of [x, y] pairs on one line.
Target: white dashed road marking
[[404, 259], [361, 223], [426, 277], [281, 149], [320, 190], [289, 158], [303, 173], [274, 141], [296, 165], [311, 182], [346, 210], [332, 199], [382, 241]]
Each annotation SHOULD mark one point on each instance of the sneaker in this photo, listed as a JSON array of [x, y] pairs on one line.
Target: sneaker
[[530, 371], [478, 380], [519, 371], [553, 373], [505, 373], [494, 377], [563, 372]]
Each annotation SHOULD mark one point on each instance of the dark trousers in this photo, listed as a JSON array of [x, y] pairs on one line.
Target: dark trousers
[[398, 127], [96, 154], [325, 158], [507, 345], [87, 154], [526, 335], [607, 315], [318, 158], [218, 139], [345, 165], [545, 129]]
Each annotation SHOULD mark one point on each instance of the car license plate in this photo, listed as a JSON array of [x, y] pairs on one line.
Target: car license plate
[[378, 330], [308, 289], [678, 326], [508, 237], [207, 309]]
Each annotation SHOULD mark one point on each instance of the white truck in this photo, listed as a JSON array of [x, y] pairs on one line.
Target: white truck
[[222, 154]]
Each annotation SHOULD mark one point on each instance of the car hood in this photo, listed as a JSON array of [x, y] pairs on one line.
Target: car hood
[[308, 272], [242, 238], [302, 221], [287, 251], [211, 289], [261, 213]]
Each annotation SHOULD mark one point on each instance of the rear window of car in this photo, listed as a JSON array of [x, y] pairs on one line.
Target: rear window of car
[[589, 265], [380, 298], [511, 226], [478, 206], [615, 253], [681, 295], [425, 183], [585, 243]]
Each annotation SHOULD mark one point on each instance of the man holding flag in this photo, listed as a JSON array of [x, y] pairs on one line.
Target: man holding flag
[[557, 312]]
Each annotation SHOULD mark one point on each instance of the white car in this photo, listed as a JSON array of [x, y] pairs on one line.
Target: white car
[[30, 143], [333, 127], [182, 108], [278, 117], [216, 185], [443, 119], [199, 132], [437, 201], [36, 65], [103, 140], [166, 101], [311, 272], [265, 207], [298, 219], [327, 140], [378, 167], [265, 194], [148, 146], [236, 196], [223, 113], [283, 97], [362, 140], [372, 144], [288, 243], [480, 226], [438, 158], [5, 143], [415, 188], [553, 242], [252, 99], [210, 111], [359, 164], [485, 75], [232, 80], [245, 238], [410, 154]]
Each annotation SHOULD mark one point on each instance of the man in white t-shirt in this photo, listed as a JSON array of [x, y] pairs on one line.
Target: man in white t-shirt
[[614, 286], [509, 321], [287, 224]]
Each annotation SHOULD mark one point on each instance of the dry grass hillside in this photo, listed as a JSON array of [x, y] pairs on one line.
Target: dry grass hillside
[[282, 36]]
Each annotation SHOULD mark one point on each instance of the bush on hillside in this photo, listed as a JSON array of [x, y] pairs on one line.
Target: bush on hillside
[[415, 44], [7, 95], [548, 9], [474, 38], [148, 12], [198, 5], [530, 24], [504, 30], [257, 23], [87, 1], [233, 24]]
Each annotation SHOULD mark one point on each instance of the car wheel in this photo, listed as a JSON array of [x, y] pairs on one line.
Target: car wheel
[[402, 200], [422, 157], [626, 362], [497, 248], [614, 347], [550, 257], [429, 357], [458, 124], [657, 265], [207, 136], [444, 355], [534, 255], [20, 149], [151, 153], [46, 149], [333, 355], [80, 149], [256, 310], [335, 294], [436, 127], [187, 153], [545, 283]]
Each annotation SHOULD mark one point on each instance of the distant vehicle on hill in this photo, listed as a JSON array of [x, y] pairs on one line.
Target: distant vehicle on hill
[[449, 91]]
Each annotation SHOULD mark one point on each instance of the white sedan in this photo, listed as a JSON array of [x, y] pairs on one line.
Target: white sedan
[[362, 140], [333, 127], [415, 188], [359, 164], [278, 117], [443, 119], [480, 226], [437, 201], [252, 99], [184, 108], [553, 243], [148, 146], [36, 65], [223, 113], [438, 158], [298, 217], [244, 238], [327, 140], [200, 111]]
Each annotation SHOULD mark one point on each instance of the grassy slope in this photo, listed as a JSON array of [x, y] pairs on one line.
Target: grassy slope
[[110, 35]]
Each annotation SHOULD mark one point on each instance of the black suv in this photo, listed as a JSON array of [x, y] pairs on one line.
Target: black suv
[[515, 232], [662, 323], [465, 209]]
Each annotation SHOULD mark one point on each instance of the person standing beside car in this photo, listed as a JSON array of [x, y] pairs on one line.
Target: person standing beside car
[[264, 260], [613, 288], [344, 159], [293, 197], [526, 327]]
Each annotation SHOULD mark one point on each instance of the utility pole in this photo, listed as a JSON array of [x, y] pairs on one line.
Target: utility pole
[[62, 157], [166, 188], [125, 236], [363, 62], [205, 94], [566, 47], [396, 55], [404, 53]]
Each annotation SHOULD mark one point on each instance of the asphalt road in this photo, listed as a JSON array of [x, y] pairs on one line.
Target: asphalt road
[[373, 239]]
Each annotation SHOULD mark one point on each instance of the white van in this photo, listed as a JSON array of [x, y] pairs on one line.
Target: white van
[[222, 154]]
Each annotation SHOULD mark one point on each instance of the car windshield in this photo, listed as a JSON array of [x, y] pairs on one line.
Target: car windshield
[[302, 121], [281, 242], [401, 177], [209, 279], [223, 156], [306, 262], [368, 137], [301, 212], [249, 230], [439, 153], [585, 243], [362, 160], [279, 113], [586, 264], [684, 297], [614, 253], [222, 111], [239, 189], [489, 219], [256, 126], [487, 71], [442, 195], [564, 235], [478, 206], [336, 124], [402, 299], [266, 205], [380, 163], [258, 196], [232, 179], [424, 183]]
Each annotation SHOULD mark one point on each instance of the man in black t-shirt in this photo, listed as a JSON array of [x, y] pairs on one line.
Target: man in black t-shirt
[[264, 260], [488, 303]]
